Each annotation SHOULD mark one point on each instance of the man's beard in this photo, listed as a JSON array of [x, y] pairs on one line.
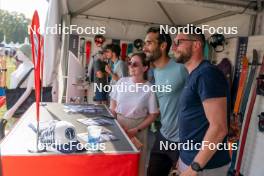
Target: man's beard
[[183, 57], [155, 55]]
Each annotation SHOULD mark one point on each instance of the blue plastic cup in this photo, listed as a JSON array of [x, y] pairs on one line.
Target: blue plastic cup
[[94, 133]]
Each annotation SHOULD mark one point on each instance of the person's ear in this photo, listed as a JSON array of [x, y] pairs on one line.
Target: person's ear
[[197, 44], [163, 46]]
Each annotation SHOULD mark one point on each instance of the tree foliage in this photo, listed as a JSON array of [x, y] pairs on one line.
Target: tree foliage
[[14, 26]]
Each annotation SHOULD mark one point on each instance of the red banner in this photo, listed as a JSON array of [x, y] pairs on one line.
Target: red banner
[[36, 56]]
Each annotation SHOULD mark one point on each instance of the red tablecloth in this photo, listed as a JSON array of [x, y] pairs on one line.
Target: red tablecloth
[[71, 165]]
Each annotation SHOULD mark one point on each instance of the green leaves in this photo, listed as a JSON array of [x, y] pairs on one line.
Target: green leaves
[[14, 26]]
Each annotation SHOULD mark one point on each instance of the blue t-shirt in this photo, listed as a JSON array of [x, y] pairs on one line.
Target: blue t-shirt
[[174, 76], [119, 68], [204, 82]]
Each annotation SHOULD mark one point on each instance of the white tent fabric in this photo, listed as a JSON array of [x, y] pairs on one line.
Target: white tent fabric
[[52, 41], [63, 64], [173, 12], [129, 20]]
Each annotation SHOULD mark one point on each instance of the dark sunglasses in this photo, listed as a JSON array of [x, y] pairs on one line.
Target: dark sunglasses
[[133, 64], [177, 42]]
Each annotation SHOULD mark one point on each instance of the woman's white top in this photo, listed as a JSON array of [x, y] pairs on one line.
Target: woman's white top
[[132, 102]]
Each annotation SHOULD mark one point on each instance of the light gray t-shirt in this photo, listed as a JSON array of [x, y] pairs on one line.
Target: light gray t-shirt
[[120, 68], [172, 74], [134, 102]]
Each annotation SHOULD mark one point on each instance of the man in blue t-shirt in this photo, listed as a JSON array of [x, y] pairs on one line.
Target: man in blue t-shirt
[[172, 75], [203, 110]]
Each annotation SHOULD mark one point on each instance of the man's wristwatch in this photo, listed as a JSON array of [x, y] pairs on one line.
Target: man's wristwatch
[[196, 167]]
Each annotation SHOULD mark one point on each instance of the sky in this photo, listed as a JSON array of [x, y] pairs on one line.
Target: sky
[[26, 7]]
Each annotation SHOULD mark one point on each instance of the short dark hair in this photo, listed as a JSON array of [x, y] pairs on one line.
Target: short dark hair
[[194, 33], [163, 37], [114, 48], [144, 62]]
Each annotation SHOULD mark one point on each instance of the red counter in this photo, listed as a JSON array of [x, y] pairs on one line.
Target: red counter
[[119, 159]]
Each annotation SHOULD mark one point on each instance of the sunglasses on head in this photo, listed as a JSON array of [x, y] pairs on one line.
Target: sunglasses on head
[[133, 64]]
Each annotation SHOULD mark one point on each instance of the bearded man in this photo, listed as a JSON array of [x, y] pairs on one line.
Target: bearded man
[[203, 109], [166, 73]]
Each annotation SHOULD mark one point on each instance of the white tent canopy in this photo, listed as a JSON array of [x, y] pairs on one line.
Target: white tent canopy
[[128, 20], [173, 12]]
